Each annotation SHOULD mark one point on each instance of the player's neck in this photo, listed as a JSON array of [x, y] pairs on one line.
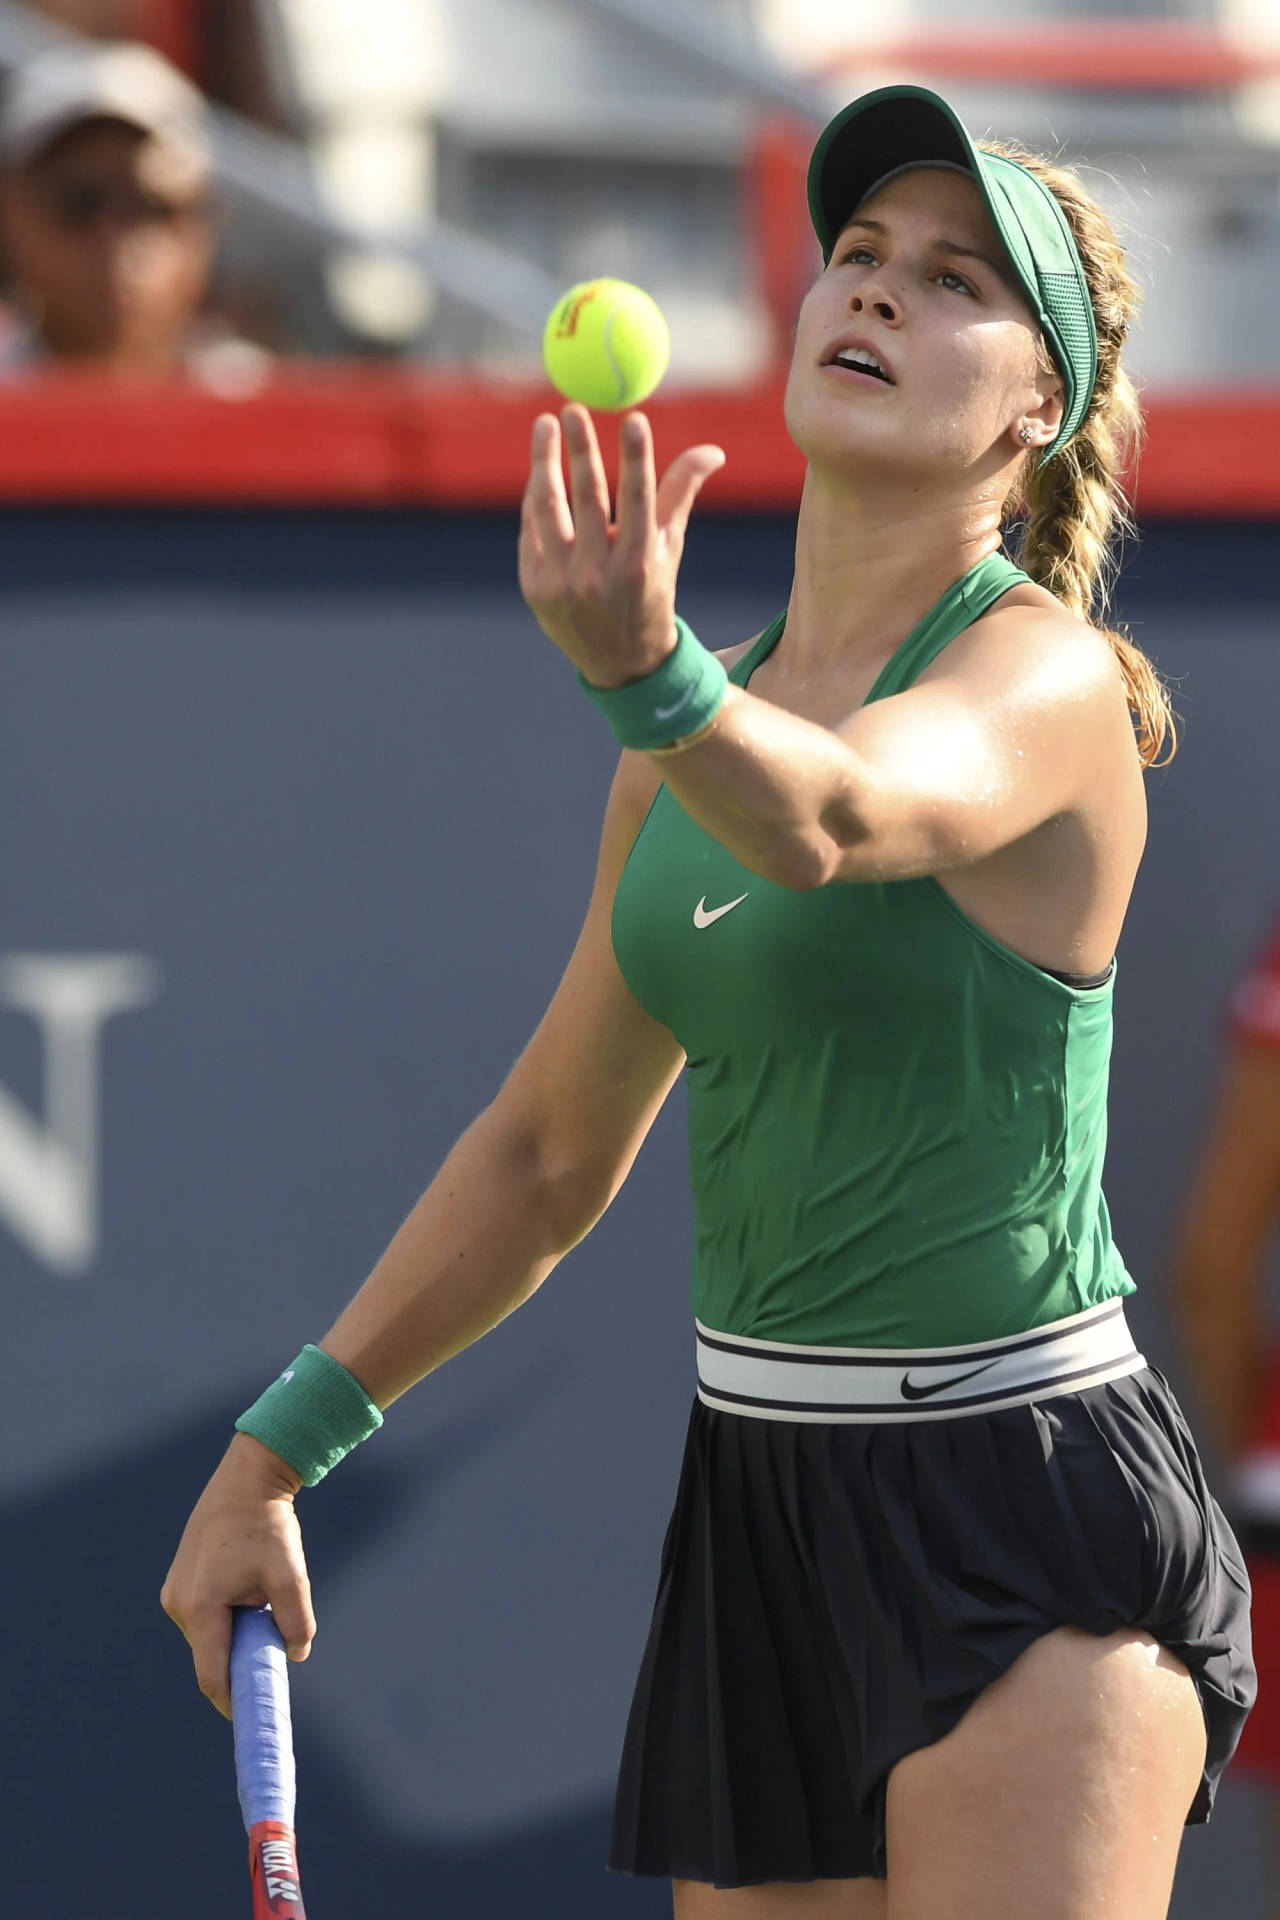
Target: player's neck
[[869, 566]]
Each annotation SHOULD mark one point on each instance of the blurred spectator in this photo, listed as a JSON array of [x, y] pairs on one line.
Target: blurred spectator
[[108, 19], [1221, 1261], [107, 219], [221, 44]]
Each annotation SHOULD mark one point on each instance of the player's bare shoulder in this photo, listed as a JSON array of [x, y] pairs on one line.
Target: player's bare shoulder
[[1047, 686], [1030, 651]]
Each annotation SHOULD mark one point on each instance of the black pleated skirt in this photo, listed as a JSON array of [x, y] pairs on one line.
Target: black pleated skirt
[[833, 1597]]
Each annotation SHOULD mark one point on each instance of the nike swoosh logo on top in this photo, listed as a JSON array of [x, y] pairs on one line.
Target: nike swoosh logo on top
[[669, 713], [701, 918], [937, 1386]]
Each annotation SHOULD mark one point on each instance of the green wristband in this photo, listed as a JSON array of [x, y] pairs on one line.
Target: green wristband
[[680, 697], [312, 1415]]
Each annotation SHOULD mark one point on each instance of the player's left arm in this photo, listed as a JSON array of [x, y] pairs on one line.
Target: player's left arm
[[1014, 724]]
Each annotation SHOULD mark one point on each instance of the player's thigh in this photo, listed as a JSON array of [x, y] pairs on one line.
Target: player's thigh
[[1062, 1793], [814, 1900]]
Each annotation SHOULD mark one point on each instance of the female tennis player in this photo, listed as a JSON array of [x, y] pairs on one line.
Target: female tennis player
[[948, 1623]]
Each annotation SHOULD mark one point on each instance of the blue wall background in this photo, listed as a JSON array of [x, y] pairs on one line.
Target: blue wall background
[[325, 773]]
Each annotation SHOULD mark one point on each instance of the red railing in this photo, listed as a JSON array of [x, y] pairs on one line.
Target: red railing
[[177, 28], [350, 436], [1128, 56]]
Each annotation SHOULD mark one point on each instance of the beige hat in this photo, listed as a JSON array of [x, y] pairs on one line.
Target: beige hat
[[94, 79]]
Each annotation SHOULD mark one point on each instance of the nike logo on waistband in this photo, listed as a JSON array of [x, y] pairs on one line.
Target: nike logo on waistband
[[939, 1386], [703, 918]]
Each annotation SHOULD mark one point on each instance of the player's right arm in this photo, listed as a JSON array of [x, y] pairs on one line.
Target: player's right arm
[[526, 1181]]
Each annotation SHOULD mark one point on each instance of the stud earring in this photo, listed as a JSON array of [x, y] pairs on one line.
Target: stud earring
[[1025, 435]]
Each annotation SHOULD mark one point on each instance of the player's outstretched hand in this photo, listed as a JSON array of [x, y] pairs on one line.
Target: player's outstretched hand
[[604, 589], [242, 1547]]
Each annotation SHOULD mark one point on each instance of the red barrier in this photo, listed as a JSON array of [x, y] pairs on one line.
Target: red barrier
[[176, 27], [359, 437], [1125, 56]]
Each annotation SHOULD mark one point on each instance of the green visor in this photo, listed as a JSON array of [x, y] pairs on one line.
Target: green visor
[[899, 127]]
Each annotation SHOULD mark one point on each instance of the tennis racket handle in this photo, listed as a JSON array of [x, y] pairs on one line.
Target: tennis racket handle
[[273, 1868]]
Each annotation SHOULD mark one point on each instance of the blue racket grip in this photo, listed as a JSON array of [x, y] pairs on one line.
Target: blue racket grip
[[260, 1718]]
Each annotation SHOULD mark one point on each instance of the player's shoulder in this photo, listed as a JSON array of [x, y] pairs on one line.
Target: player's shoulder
[[1029, 640]]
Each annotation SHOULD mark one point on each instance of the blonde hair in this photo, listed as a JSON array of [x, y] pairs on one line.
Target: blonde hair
[[1072, 509]]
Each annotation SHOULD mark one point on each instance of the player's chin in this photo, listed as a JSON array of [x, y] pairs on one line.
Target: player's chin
[[832, 429]]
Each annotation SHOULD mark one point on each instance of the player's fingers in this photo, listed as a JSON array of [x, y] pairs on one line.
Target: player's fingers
[[528, 548], [294, 1615], [588, 487], [637, 489], [208, 1631], [545, 499], [170, 1602], [528, 515], [680, 486]]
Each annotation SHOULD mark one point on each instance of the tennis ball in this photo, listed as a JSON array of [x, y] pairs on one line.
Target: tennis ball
[[606, 344]]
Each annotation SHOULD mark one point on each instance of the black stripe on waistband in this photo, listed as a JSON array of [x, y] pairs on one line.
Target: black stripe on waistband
[[899, 1356], [1056, 1382]]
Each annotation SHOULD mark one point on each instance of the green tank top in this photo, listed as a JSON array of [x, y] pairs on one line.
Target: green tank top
[[896, 1124]]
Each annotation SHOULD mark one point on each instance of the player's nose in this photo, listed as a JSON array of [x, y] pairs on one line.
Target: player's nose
[[875, 297]]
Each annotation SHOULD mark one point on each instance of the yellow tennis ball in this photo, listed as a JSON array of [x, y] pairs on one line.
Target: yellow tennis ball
[[606, 344]]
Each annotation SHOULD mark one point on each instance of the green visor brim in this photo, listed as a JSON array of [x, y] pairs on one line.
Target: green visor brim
[[904, 126]]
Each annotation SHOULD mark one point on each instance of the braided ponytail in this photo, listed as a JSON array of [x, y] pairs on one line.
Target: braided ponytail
[[1073, 507]]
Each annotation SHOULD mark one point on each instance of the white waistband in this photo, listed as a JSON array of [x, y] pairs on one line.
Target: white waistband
[[775, 1380]]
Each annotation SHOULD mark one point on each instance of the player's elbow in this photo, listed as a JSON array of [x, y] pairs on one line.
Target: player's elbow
[[822, 853], [803, 865], [573, 1194], [560, 1177]]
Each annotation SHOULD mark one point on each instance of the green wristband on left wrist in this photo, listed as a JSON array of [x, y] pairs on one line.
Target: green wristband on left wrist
[[312, 1416]]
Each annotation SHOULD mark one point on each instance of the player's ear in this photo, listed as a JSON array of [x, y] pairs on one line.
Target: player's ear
[[1039, 424]]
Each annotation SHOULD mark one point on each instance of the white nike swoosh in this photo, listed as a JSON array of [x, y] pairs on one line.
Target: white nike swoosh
[[669, 713], [286, 1375], [701, 918]]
